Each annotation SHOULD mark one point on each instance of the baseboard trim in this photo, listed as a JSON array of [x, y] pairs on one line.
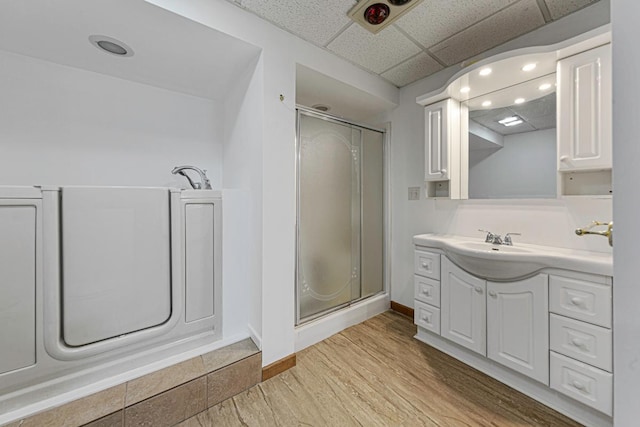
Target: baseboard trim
[[402, 309], [278, 367]]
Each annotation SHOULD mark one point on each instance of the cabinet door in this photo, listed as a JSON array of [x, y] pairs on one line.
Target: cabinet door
[[518, 326], [463, 308], [584, 110], [436, 133]]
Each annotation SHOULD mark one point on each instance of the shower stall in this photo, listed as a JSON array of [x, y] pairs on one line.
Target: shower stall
[[340, 214]]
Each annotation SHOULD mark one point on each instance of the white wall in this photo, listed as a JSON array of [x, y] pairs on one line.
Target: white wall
[[65, 126], [524, 167], [281, 53], [243, 139], [545, 222], [626, 205]]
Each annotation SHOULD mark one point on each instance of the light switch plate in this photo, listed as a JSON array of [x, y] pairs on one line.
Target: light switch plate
[[414, 193]]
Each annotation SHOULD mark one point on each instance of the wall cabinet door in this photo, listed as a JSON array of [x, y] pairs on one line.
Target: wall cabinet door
[[437, 133], [518, 326], [463, 308], [584, 110]]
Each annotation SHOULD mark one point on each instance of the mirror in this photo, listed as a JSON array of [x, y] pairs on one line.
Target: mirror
[[512, 141]]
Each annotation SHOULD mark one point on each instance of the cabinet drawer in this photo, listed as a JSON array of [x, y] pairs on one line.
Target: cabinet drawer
[[427, 317], [582, 341], [427, 290], [427, 264], [580, 300], [584, 383]]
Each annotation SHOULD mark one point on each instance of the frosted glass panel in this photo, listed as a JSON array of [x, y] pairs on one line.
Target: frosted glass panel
[[372, 213], [329, 215]]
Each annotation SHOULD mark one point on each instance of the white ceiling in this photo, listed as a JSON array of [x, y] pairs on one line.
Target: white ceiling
[[344, 100], [170, 52], [432, 36]]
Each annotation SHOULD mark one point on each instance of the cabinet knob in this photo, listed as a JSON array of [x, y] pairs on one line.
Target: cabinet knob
[[425, 319], [578, 342], [578, 385], [577, 301], [424, 265], [493, 294], [426, 292], [478, 289], [443, 171], [564, 158]]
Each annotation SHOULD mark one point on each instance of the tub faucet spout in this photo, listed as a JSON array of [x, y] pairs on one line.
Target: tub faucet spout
[[204, 183]]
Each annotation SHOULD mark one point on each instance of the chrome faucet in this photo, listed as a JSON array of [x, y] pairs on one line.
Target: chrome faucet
[[496, 239], [205, 184]]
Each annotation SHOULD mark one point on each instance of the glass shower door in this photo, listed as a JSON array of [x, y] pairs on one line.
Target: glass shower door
[[329, 215]]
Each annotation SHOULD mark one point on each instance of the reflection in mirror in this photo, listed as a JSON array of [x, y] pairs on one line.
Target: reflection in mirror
[[512, 141]]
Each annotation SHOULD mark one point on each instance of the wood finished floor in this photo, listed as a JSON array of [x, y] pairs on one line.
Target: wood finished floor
[[376, 374]]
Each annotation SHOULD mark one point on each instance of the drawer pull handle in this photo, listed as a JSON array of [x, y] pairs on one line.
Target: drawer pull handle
[[424, 265], [578, 343], [493, 294], [578, 385], [577, 301], [478, 290]]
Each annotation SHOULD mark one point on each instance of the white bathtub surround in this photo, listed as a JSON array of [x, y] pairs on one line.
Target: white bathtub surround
[[86, 242]]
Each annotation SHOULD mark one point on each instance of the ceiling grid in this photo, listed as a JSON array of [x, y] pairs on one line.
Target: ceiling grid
[[433, 35]]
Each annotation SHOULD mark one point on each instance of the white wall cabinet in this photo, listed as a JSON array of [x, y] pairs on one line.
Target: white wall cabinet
[[442, 148], [518, 326], [463, 308], [585, 110]]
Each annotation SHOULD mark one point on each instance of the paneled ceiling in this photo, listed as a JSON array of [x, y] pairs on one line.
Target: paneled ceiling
[[434, 35]]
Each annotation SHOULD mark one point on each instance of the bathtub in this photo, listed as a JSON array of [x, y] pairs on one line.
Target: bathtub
[[97, 281]]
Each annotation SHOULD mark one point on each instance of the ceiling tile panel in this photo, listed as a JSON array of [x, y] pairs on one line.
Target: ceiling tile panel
[[375, 52], [435, 20], [411, 70], [505, 25], [560, 8], [315, 21]]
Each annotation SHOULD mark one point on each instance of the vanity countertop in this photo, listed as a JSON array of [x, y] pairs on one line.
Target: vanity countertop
[[481, 254]]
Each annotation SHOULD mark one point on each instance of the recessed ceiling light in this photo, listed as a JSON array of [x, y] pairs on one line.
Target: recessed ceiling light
[[465, 89], [485, 71], [321, 107], [508, 120], [111, 45], [486, 103], [529, 67], [513, 123], [519, 100], [545, 86]]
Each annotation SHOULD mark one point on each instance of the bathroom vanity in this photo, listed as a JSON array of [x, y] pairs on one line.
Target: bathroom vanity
[[536, 318]]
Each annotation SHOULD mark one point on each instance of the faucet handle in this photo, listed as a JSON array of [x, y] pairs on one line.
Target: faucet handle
[[507, 238], [490, 236]]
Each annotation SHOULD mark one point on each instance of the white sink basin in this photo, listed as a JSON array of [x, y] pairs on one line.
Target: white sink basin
[[503, 263]]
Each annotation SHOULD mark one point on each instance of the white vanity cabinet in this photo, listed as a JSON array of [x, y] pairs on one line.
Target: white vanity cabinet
[[581, 339], [518, 326], [584, 110], [442, 149], [427, 290], [505, 321], [463, 308]]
